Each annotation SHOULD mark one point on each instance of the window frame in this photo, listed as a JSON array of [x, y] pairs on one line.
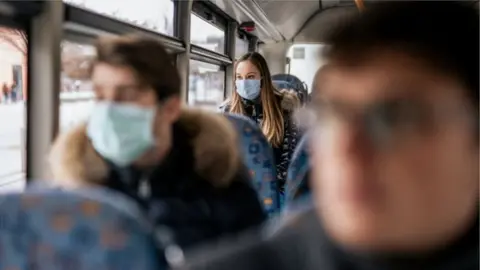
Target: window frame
[[210, 14], [207, 10], [85, 26], [213, 25], [213, 15], [97, 12]]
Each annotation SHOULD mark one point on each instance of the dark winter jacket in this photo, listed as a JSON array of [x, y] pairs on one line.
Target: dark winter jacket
[[289, 102], [201, 190], [302, 245]]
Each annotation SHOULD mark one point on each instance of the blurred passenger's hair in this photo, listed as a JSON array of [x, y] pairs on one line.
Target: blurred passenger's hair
[[445, 35], [146, 57]]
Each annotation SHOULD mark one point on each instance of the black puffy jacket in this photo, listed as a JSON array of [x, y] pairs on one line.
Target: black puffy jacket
[[283, 154], [303, 245]]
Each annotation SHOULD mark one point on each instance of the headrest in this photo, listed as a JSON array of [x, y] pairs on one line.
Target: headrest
[[283, 85]]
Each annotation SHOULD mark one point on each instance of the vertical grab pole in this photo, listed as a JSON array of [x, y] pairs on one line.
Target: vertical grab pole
[[232, 32], [44, 38], [23, 148], [182, 31]]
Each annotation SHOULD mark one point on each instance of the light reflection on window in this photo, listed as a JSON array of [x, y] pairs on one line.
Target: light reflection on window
[[13, 94], [155, 15], [76, 95], [206, 35], [206, 85]]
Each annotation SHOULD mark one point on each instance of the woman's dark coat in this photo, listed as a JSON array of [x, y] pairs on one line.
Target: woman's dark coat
[[283, 154]]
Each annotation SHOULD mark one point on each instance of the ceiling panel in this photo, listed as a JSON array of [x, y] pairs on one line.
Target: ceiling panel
[[321, 25], [289, 16], [278, 20]]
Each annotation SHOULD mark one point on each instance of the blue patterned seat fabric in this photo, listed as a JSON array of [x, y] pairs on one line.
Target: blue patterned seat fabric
[[298, 171], [258, 157], [58, 230], [289, 81]]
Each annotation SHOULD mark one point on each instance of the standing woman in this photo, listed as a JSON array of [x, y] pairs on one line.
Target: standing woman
[[256, 97]]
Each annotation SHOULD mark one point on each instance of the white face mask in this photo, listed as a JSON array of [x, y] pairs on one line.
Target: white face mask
[[121, 133], [248, 89]]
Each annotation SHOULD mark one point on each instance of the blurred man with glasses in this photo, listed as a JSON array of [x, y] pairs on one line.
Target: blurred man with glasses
[[395, 148]]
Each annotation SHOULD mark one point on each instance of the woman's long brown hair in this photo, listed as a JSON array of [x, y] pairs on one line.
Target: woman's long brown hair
[[273, 121]]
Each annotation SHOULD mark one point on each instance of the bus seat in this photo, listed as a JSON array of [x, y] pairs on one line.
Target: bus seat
[[302, 96], [52, 229], [283, 85], [289, 81], [258, 157], [298, 173]]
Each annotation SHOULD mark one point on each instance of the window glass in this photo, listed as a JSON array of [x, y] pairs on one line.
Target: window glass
[[305, 61], [155, 15], [206, 85], [241, 47], [206, 35], [76, 95], [13, 75]]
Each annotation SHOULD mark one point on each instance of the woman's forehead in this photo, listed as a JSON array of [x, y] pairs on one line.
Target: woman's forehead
[[245, 67]]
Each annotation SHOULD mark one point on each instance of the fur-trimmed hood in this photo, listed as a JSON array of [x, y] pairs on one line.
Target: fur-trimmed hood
[[74, 162], [289, 100]]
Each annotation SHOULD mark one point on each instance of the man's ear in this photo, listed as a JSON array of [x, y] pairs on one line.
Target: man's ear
[[172, 108]]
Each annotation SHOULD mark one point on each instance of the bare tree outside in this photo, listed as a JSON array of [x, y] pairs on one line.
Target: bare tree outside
[[16, 38], [76, 58]]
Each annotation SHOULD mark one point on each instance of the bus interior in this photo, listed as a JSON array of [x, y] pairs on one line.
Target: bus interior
[[46, 47], [46, 51]]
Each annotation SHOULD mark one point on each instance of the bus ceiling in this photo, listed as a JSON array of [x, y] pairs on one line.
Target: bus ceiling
[[291, 21]]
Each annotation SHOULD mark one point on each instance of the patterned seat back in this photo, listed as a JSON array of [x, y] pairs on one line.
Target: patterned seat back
[[258, 157], [57, 230], [290, 81], [298, 171]]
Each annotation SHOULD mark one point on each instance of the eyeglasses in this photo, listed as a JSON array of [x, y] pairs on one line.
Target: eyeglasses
[[383, 122]]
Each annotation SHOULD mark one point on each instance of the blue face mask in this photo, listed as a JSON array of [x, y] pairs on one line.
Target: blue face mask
[[121, 133], [248, 89]]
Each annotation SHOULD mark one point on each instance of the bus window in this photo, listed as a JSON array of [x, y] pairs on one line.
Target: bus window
[[76, 94], [305, 59], [13, 74], [206, 85], [155, 15], [206, 35]]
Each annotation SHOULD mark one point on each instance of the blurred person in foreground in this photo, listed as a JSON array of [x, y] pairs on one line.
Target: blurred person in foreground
[[182, 165], [395, 150]]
